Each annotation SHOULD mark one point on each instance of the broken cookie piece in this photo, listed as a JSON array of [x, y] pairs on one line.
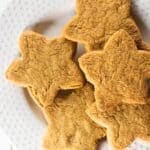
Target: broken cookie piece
[[45, 67], [119, 72]]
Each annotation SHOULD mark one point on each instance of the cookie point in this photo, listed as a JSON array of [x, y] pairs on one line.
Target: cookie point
[[7, 74], [122, 32], [84, 56], [26, 33]]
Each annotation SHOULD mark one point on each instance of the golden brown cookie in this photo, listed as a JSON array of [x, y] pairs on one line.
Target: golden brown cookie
[[124, 124], [97, 20], [45, 67], [70, 128], [119, 72]]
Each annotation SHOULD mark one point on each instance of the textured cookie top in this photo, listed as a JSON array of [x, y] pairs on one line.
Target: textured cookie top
[[70, 128], [124, 124], [119, 72], [97, 20], [45, 67]]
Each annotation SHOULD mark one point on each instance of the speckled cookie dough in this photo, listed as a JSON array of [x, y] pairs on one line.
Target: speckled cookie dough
[[124, 124], [69, 127], [97, 20], [45, 67], [119, 72]]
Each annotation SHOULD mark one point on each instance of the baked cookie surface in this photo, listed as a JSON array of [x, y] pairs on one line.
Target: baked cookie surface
[[119, 72], [97, 20], [124, 124], [45, 67], [69, 127]]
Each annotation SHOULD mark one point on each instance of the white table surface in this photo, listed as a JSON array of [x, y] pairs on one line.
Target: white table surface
[[4, 141]]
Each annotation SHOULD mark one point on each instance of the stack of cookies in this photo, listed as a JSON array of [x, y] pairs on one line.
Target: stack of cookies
[[116, 63]]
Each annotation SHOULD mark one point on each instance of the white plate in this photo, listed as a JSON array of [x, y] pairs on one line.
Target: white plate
[[20, 118]]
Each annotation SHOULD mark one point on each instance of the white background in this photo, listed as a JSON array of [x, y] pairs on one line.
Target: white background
[[4, 142]]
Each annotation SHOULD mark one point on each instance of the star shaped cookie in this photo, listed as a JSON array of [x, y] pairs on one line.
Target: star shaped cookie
[[124, 124], [119, 72], [97, 20], [45, 67], [69, 125]]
